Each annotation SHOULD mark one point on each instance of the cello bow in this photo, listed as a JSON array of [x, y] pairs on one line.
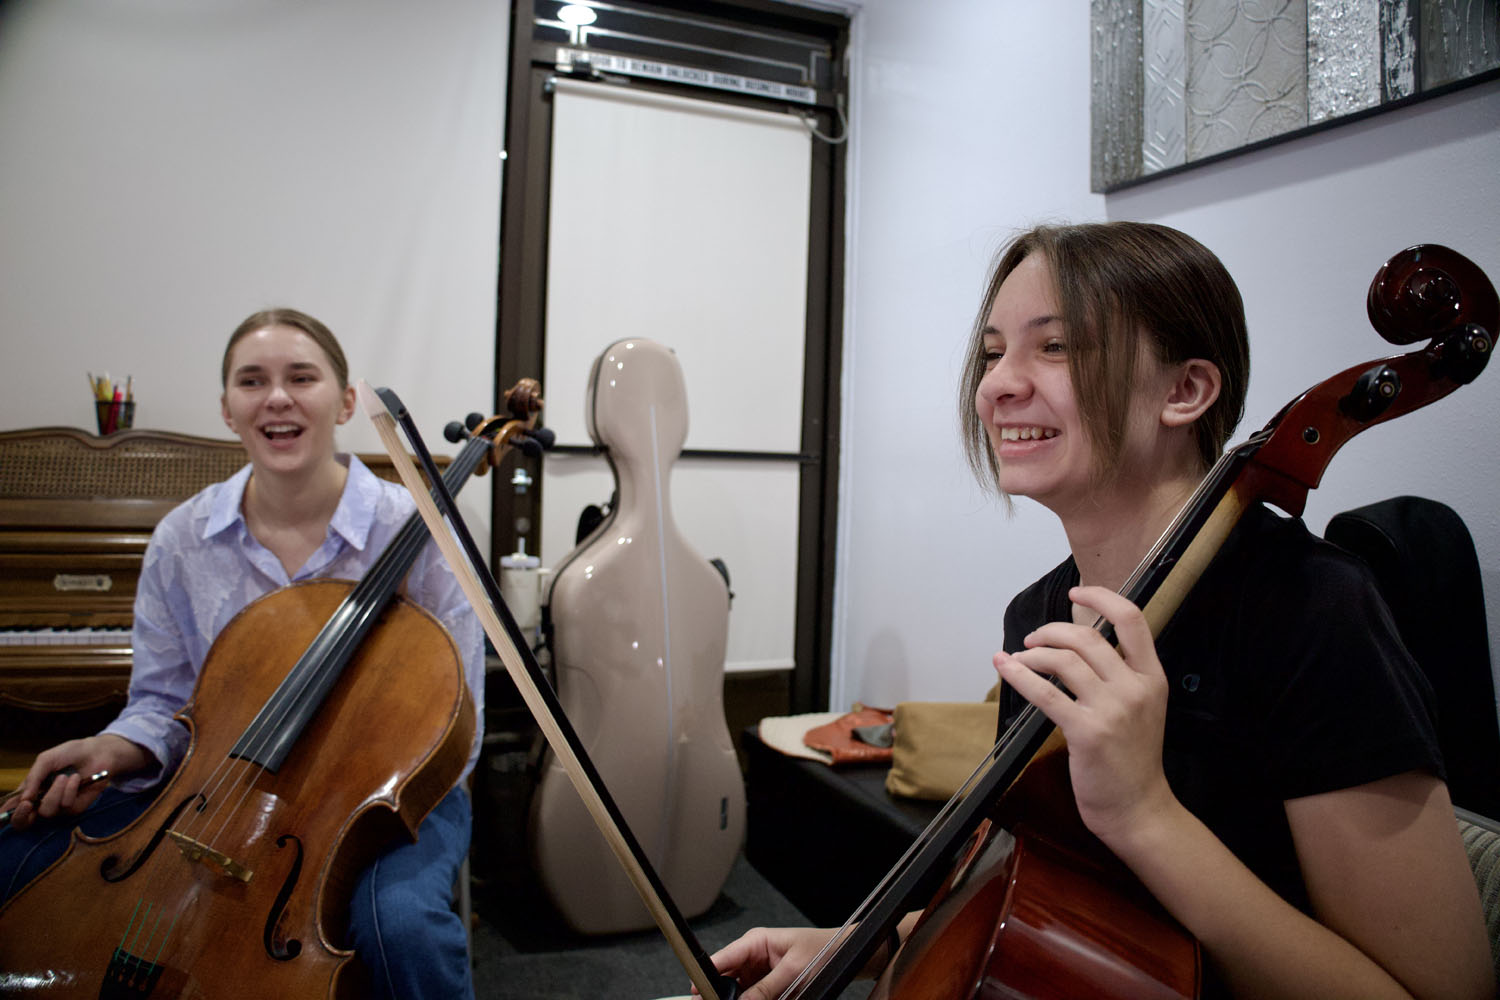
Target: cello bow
[[386, 411]]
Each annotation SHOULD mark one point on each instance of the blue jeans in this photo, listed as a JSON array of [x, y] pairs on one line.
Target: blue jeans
[[401, 919], [401, 922], [25, 855]]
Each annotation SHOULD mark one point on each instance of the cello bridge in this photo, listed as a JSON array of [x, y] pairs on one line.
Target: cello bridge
[[194, 850]]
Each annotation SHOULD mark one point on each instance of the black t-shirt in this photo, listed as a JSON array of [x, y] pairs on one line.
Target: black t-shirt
[[1288, 678]]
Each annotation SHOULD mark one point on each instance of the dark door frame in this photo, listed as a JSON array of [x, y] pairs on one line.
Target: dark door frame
[[522, 307]]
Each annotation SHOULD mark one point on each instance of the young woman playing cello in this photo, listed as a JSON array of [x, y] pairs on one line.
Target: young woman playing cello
[[1268, 767], [299, 510]]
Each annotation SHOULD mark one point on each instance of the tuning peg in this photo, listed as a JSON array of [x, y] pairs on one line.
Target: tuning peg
[[1373, 393], [1465, 352], [454, 431]]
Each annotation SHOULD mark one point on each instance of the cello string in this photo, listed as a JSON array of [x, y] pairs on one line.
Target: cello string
[[388, 574], [230, 768], [333, 647], [156, 959], [893, 879], [120, 946], [263, 729], [328, 653]]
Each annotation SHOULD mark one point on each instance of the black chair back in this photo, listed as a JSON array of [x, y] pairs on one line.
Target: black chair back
[[1424, 562]]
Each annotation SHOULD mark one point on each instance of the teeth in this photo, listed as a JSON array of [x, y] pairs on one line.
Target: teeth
[[1026, 433], [279, 429]]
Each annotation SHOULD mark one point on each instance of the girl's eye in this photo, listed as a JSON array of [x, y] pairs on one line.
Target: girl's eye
[[992, 357], [1055, 347]]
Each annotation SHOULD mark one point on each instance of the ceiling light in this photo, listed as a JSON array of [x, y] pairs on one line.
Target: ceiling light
[[577, 14]]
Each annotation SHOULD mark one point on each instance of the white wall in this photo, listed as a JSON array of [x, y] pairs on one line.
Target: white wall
[[972, 120], [167, 168]]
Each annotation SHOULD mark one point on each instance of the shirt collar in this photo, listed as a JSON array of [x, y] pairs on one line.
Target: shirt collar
[[353, 519], [224, 509]]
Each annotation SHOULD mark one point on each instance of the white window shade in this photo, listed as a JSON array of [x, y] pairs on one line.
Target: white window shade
[[686, 222]]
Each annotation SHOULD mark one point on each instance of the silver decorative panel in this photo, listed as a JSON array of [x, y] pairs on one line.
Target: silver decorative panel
[[1247, 72], [1164, 72], [1343, 57], [1398, 49], [1179, 81], [1115, 32], [1459, 39]]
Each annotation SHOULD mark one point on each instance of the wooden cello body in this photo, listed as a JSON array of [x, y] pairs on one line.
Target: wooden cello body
[[234, 885], [1036, 908], [640, 625]]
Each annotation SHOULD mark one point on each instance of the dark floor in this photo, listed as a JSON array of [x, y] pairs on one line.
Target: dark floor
[[520, 953]]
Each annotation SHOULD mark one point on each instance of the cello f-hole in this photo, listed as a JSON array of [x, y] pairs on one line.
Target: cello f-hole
[[275, 947]]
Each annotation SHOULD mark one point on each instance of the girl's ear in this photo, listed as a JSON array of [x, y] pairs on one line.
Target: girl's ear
[[347, 410], [1194, 388]]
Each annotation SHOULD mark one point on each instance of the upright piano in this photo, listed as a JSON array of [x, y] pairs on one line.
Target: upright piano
[[76, 512]]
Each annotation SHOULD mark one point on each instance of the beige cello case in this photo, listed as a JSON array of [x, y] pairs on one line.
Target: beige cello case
[[640, 622]]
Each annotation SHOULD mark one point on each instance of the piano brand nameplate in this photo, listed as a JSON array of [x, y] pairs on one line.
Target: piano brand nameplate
[[96, 583]]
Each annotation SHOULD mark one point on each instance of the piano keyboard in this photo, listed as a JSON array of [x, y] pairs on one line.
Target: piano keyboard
[[65, 637]]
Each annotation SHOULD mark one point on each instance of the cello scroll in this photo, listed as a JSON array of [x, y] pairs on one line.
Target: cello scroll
[[1425, 291], [519, 430]]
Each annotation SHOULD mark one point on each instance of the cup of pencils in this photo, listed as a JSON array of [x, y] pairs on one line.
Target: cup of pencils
[[114, 403]]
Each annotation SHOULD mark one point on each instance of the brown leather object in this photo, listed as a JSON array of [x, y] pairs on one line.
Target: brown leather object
[[838, 738]]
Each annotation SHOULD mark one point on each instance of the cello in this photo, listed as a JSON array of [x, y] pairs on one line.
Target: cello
[[1427, 293], [232, 882]]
